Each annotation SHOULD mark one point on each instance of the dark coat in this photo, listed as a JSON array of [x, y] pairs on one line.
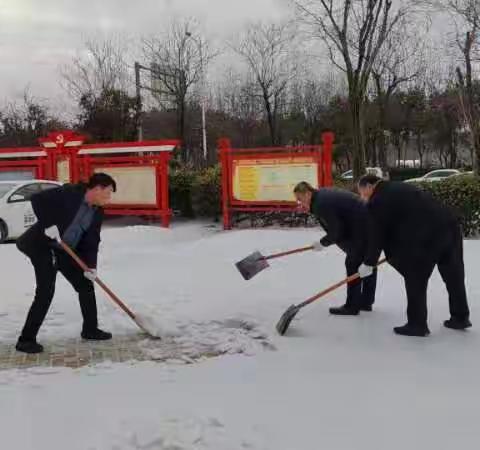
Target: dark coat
[[408, 224], [343, 216], [58, 207]]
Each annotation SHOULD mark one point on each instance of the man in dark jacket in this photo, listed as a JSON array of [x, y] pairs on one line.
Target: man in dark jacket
[[343, 216], [417, 233], [72, 213]]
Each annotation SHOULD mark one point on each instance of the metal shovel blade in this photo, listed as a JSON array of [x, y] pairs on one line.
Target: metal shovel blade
[[252, 265], [286, 319]]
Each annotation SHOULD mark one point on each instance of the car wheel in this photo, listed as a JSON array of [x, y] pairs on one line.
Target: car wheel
[[3, 231]]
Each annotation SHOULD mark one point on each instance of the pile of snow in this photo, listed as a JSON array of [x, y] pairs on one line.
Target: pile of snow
[[333, 383]]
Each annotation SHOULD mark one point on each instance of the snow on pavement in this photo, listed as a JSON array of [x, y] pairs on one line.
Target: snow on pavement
[[332, 383]]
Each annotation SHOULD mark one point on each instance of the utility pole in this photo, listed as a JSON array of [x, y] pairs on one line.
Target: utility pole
[[202, 95], [204, 121], [139, 102]]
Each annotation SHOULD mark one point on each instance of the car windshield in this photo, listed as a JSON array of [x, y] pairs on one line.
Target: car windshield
[[440, 174], [5, 189]]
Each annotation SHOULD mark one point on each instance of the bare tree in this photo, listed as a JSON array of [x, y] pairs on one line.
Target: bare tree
[[236, 98], [353, 32], [466, 15], [178, 59], [23, 122], [98, 68], [270, 52], [400, 61]]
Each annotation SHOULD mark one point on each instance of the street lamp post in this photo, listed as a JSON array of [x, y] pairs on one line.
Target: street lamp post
[[203, 97], [138, 89]]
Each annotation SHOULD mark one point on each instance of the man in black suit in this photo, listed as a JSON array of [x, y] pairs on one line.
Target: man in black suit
[[416, 233], [343, 216], [74, 214]]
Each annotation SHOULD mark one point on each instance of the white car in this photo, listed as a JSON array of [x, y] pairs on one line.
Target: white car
[[16, 213], [435, 175], [348, 176]]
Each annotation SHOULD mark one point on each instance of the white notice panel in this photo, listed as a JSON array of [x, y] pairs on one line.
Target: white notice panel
[[63, 171], [135, 185]]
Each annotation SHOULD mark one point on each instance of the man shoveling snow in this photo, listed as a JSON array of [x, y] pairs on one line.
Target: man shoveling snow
[[72, 213]]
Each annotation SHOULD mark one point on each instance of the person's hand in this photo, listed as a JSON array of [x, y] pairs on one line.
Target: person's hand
[[53, 233], [365, 271], [318, 247], [90, 275]]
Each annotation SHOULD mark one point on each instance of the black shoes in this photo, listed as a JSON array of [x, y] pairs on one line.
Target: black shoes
[[347, 310], [423, 331], [367, 308], [412, 330], [30, 347], [344, 311], [457, 324], [96, 335]]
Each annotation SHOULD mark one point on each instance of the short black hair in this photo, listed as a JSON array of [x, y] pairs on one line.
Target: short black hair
[[369, 180], [101, 179], [303, 187]]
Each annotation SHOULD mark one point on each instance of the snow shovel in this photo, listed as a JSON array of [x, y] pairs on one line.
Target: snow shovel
[[138, 320], [256, 262], [292, 311]]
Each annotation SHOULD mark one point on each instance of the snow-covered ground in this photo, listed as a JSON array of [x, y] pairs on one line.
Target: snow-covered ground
[[332, 383]]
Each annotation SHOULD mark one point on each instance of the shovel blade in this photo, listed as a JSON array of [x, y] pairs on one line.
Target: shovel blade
[[286, 319], [252, 265]]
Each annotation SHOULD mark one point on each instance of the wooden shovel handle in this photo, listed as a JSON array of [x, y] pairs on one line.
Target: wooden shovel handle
[[290, 252], [85, 268], [351, 278]]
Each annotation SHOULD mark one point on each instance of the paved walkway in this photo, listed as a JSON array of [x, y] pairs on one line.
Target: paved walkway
[[74, 353], [78, 353]]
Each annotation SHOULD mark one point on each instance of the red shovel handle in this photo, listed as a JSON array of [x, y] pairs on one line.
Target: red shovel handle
[[334, 287], [85, 268], [290, 252]]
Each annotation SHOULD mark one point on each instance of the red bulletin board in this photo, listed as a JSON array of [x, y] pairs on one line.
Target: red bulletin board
[[262, 179]]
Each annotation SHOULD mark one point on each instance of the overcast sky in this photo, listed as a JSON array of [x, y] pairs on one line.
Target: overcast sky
[[39, 35]]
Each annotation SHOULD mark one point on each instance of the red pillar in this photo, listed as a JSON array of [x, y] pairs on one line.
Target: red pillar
[[328, 139], [165, 206], [224, 146]]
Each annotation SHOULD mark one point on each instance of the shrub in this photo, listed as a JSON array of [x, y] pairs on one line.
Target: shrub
[[206, 193], [181, 181], [344, 184], [402, 174], [462, 194]]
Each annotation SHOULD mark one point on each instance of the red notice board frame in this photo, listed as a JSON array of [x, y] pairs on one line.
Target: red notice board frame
[[127, 155], [26, 158], [321, 154]]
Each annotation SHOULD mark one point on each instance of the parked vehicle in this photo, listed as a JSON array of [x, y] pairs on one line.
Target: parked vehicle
[[348, 176], [16, 213], [435, 175], [466, 174]]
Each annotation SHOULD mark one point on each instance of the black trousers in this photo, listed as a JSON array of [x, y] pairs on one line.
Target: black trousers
[[449, 261], [360, 293], [46, 264]]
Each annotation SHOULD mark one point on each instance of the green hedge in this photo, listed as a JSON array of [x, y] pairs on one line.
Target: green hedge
[[462, 194], [207, 192], [196, 192], [181, 181], [402, 174]]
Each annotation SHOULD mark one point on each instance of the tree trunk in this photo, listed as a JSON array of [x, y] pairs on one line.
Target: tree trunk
[[453, 151], [270, 118], [358, 136], [374, 155], [181, 127], [420, 148], [476, 158]]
